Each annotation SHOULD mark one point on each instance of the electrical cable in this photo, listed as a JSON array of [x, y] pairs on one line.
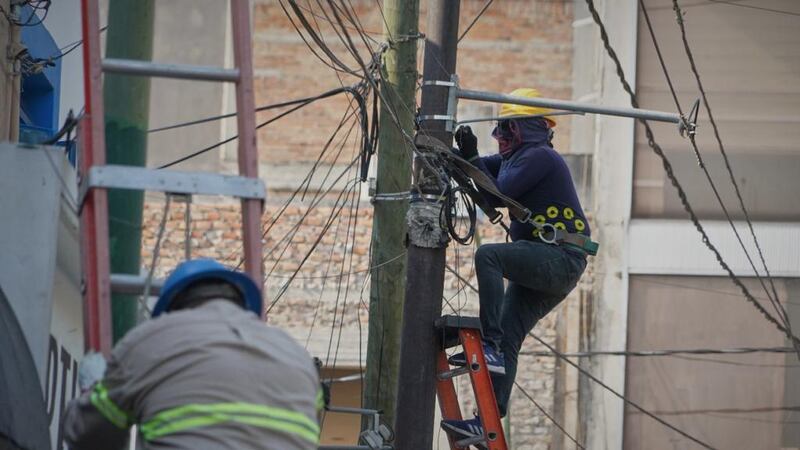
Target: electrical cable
[[762, 409], [304, 100], [317, 199], [261, 125], [354, 272], [782, 315], [306, 182], [542, 410], [475, 20], [618, 395], [154, 260], [317, 39], [69, 124], [35, 6], [760, 8], [673, 179], [285, 286], [449, 214], [670, 352], [696, 73]]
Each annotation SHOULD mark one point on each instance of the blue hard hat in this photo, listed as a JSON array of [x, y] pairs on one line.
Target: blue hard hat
[[207, 269]]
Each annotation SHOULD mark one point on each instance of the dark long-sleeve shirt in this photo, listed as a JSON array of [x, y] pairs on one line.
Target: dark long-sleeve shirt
[[538, 177]]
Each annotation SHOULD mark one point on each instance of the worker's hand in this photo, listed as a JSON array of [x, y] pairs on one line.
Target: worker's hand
[[467, 142], [92, 369]]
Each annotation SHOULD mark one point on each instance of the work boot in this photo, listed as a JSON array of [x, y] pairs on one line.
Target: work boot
[[494, 359], [464, 429]]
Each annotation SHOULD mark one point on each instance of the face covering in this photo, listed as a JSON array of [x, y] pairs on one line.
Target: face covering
[[508, 137]]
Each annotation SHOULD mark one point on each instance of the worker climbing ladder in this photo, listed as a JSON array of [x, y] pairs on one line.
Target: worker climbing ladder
[[96, 176], [466, 332]]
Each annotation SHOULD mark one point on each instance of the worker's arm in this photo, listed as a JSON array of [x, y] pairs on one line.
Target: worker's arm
[[99, 418], [490, 165], [525, 171]]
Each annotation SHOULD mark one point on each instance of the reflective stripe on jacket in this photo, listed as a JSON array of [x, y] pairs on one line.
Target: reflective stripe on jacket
[[210, 377]]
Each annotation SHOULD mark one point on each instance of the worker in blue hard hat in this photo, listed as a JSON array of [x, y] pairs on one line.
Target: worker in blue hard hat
[[519, 282], [205, 373]]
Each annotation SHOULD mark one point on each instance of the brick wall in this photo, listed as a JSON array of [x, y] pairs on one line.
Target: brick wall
[[515, 44]]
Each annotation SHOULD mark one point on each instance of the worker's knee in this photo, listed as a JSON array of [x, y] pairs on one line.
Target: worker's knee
[[485, 256]]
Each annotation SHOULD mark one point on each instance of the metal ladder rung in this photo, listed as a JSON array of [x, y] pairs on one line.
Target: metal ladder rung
[[452, 373], [182, 71], [172, 181]]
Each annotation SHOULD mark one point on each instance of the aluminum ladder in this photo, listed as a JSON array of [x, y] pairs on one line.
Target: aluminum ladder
[[95, 176], [466, 332]]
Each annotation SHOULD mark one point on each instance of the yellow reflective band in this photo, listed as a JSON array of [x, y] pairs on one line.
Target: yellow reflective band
[[107, 408], [579, 225], [560, 226], [552, 212], [569, 213], [200, 415], [320, 400]]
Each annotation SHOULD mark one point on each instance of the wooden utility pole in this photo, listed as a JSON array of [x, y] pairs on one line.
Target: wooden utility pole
[[427, 243], [9, 75], [387, 289], [127, 107]]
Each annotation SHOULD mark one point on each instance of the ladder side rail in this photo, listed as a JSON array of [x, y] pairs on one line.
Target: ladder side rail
[[446, 393], [94, 210], [247, 149], [482, 386]]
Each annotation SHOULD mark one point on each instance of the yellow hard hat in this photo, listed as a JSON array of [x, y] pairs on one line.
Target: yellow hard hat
[[510, 110]]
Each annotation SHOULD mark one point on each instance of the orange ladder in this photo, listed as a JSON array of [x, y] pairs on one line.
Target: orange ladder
[[96, 176], [466, 332]]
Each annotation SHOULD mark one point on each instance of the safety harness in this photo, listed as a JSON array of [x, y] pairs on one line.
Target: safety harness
[[457, 166]]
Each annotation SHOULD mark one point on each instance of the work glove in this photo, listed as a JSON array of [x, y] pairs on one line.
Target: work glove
[[92, 369], [467, 142]]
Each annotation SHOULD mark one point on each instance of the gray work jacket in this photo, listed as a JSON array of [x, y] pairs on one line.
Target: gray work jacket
[[211, 377]]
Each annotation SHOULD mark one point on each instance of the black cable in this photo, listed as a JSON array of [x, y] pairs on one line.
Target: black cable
[[760, 8], [317, 39], [673, 352], [673, 179], [69, 124], [618, 395], [35, 6], [475, 20], [696, 73], [542, 410], [350, 90], [306, 180], [450, 212], [324, 95], [773, 299]]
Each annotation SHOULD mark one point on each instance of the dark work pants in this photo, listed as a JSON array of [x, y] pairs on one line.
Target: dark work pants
[[539, 276]]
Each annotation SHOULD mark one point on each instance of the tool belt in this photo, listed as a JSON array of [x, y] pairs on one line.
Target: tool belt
[[547, 232]]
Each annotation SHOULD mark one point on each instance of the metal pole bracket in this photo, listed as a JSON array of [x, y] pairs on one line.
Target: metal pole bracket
[[452, 102]]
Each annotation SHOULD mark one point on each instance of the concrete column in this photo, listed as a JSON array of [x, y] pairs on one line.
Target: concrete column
[[612, 188]]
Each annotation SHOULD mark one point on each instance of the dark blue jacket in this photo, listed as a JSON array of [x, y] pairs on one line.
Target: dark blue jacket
[[536, 176]]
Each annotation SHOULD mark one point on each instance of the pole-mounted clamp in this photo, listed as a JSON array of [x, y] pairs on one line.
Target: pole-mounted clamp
[[449, 118], [687, 127]]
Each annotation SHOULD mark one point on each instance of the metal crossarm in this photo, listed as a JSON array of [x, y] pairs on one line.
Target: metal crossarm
[[182, 71], [173, 182], [96, 176]]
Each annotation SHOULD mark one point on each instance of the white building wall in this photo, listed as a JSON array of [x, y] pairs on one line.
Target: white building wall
[[612, 182]]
